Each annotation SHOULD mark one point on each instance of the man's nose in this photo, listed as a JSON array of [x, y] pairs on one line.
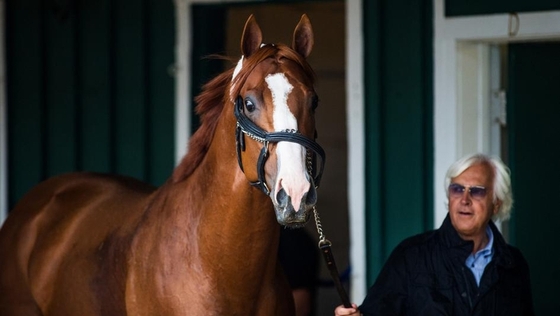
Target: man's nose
[[466, 197]]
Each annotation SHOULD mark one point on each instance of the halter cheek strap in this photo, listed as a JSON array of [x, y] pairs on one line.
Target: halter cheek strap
[[246, 127]]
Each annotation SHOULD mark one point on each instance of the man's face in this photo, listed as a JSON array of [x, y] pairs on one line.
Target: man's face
[[471, 211]]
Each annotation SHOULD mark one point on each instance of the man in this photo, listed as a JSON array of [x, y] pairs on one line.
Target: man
[[463, 268]]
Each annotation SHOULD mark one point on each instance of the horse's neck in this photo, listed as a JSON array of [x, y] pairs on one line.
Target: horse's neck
[[235, 218], [215, 224]]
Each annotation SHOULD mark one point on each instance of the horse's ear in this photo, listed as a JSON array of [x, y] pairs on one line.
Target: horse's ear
[[303, 37], [252, 37]]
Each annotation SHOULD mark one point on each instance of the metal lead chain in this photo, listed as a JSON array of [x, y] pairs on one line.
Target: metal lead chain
[[251, 135], [325, 246], [322, 239]]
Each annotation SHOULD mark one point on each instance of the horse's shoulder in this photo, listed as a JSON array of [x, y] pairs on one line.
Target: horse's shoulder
[[79, 201], [69, 192]]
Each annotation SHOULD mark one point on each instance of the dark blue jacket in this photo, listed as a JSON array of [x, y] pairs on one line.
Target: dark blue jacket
[[426, 275]]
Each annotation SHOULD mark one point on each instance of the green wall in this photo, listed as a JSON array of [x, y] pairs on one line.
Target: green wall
[[89, 89], [532, 113], [399, 124], [204, 66]]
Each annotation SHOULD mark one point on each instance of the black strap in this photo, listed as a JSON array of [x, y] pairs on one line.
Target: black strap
[[245, 125], [331, 264]]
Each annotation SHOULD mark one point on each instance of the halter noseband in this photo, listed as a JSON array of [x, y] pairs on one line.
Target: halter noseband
[[246, 127]]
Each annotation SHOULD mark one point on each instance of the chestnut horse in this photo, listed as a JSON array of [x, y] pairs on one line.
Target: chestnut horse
[[206, 241]]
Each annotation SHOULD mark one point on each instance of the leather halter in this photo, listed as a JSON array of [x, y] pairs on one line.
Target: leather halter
[[247, 127]]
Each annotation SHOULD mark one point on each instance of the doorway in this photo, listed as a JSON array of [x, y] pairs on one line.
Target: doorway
[[508, 107], [327, 58], [533, 109]]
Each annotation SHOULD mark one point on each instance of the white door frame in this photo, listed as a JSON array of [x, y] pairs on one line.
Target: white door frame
[[3, 121], [355, 113], [462, 119]]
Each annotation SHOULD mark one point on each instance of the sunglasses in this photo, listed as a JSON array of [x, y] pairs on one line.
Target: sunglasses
[[476, 192]]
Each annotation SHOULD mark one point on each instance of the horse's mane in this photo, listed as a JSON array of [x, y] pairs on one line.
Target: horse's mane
[[214, 96]]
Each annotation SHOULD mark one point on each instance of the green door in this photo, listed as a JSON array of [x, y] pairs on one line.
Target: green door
[[533, 115], [89, 88]]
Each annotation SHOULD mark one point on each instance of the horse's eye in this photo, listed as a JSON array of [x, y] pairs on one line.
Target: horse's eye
[[249, 105]]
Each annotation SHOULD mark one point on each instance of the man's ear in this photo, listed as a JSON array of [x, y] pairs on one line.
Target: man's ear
[[497, 206]]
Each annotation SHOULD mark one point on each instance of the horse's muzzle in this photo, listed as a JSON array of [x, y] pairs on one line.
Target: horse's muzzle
[[286, 214]]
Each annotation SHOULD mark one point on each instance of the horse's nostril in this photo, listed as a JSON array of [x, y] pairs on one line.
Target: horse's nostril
[[311, 196], [281, 197]]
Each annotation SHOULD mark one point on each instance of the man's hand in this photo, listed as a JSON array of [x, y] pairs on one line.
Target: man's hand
[[341, 310]]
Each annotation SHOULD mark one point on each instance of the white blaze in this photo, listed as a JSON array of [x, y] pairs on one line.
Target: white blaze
[[291, 156], [235, 73], [238, 68]]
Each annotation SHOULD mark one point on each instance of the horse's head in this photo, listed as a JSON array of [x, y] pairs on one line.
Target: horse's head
[[275, 102]]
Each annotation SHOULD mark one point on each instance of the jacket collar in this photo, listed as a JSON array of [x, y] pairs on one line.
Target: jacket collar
[[460, 247], [463, 248]]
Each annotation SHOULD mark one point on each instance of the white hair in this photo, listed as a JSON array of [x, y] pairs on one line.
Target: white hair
[[502, 180]]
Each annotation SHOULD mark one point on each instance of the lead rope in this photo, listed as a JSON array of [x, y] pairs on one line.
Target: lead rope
[[325, 247]]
